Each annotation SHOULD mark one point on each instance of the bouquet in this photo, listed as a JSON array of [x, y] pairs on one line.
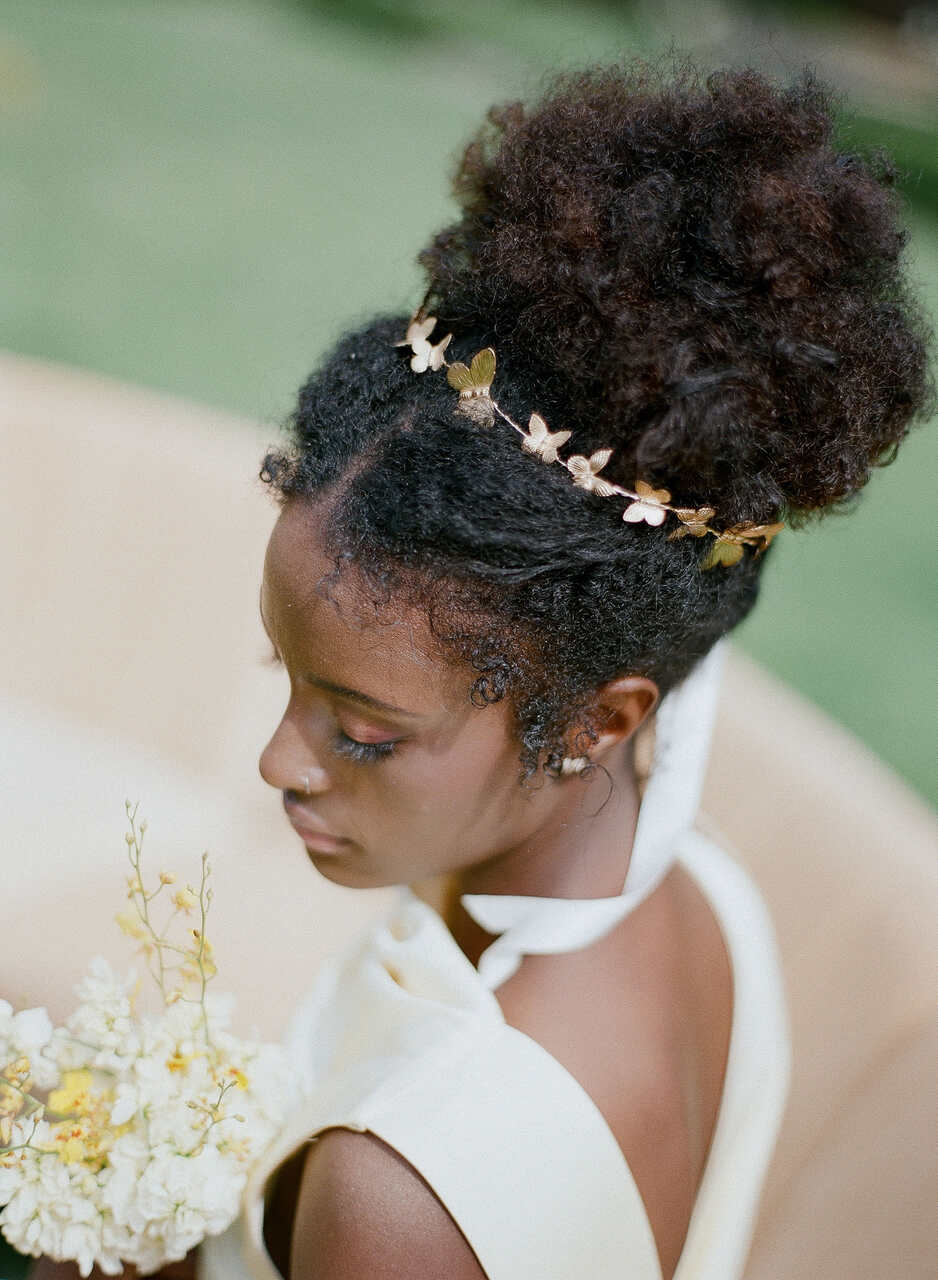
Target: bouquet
[[150, 1122]]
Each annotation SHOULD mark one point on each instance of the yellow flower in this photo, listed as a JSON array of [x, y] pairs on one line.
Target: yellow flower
[[131, 924], [185, 899], [73, 1147], [73, 1097]]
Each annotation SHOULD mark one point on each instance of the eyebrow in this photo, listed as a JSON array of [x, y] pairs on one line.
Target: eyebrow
[[341, 690], [356, 695]]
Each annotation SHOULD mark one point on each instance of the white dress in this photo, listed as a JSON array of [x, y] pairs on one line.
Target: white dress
[[402, 1037]]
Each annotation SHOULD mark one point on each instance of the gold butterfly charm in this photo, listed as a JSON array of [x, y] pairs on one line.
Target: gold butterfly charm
[[426, 355], [541, 442], [724, 551], [647, 505], [758, 535], [694, 522], [477, 379], [728, 547], [585, 472]]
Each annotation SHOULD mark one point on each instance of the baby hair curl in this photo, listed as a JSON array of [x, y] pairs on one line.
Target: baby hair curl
[[683, 268]]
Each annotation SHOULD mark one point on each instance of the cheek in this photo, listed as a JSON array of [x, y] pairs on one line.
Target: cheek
[[453, 791]]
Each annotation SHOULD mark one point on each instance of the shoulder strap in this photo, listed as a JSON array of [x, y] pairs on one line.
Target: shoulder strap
[[516, 1151]]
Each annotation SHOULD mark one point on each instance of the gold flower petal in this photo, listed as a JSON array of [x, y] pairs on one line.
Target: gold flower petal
[[477, 378], [417, 331], [646, 492], [459, 377], [724, 552], [437, 352], [650, 512], [482, 368], [428, 356]]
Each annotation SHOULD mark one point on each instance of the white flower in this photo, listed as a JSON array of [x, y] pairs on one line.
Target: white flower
[[159, 1120], [28, 1034]]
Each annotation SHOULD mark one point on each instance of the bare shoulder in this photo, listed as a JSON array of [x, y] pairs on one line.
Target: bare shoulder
[[362, 1210]]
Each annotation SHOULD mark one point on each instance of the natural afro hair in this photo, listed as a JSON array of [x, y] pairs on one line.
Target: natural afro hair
[[686, 270]]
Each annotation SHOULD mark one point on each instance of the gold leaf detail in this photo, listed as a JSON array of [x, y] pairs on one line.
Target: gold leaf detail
[[542, 442], [585, 472]]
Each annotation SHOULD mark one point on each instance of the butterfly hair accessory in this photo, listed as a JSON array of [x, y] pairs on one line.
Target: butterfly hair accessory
[[646, 505]]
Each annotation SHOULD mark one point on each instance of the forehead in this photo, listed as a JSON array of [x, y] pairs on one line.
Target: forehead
[[334, 631]]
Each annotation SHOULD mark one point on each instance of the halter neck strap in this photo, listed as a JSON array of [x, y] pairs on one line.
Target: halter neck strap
[[545, 926]]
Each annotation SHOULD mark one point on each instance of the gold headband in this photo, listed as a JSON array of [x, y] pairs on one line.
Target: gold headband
[[647, 505]]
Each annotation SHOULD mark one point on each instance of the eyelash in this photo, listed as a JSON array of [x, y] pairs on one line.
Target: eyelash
[[342, 744], [361, 752]]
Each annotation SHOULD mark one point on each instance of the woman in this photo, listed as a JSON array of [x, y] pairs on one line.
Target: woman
[[564, 1052]]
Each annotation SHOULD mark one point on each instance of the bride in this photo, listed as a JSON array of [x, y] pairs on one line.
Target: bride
[[670, 320], [565, 1051]]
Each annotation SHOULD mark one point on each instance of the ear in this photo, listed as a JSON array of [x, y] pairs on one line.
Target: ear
[[621, 705]]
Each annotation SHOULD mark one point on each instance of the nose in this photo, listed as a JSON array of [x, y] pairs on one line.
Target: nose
[[288, 763]]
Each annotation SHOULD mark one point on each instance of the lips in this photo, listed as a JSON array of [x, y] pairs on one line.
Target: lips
[[311, 830]]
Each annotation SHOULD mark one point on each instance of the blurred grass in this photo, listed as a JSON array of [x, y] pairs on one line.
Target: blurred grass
[[198, 197]]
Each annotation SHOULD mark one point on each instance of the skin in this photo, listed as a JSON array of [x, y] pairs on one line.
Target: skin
[[641, 1018]]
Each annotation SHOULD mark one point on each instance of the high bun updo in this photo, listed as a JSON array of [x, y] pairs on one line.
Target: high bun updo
[[683, 269]]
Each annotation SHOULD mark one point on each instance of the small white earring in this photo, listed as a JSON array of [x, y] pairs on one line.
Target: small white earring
[[573, 764], [306, 784]]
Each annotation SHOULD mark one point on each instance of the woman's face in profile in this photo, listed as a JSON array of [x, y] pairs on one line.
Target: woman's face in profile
[[388, 771]]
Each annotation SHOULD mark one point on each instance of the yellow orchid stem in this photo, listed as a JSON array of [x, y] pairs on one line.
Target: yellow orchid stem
[[140, 900]]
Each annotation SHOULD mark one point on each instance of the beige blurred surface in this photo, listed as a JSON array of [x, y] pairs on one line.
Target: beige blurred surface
[[132, 656]]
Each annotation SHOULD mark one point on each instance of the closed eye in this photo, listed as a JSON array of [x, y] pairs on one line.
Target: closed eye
[[361, 752]]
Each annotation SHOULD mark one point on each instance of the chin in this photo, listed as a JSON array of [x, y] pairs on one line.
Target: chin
[[346, 872]]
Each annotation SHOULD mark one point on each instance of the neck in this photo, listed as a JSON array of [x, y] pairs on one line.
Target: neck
[[582, 852]]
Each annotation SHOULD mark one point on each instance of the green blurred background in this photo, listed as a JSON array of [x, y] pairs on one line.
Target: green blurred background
[[196, 196]]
